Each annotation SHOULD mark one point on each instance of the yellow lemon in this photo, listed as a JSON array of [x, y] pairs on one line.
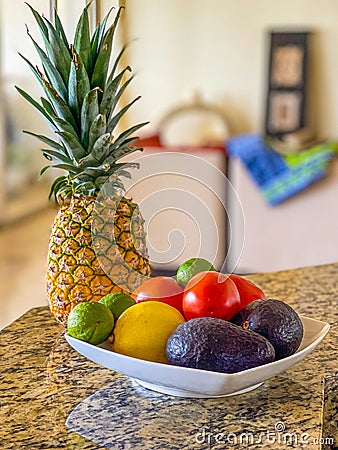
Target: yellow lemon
[[143, 329]]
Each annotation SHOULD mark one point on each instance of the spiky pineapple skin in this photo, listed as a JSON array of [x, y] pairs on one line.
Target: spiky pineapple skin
[[96, 247]]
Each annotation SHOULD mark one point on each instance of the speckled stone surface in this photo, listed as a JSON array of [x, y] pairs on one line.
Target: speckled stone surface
[[44, 384], [330, 412]]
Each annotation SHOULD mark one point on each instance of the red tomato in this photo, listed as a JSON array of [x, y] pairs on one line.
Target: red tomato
[[160, 289], [211, 294], [248, 291]]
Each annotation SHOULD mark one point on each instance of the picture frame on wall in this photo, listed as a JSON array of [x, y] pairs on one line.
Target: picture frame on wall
[[287, 83]]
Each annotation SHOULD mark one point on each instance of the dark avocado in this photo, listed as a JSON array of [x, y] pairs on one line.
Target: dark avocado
[[276, 321], [217, 345]]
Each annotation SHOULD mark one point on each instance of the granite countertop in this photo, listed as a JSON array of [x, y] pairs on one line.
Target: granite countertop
[[45, 383]]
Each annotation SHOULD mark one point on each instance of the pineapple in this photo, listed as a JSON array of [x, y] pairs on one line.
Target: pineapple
[[97, 244]]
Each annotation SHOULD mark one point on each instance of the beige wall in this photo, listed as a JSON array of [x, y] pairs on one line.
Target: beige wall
[[217, 46], [220, 47]]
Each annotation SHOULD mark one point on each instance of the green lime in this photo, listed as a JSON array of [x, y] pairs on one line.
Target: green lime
[[117, 302], [91, 322], [190, 268]]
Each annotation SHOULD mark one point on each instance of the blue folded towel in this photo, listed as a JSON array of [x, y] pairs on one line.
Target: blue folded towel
[[277, 176]]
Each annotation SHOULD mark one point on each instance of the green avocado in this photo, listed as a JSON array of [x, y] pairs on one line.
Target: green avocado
[[217, 345], [276, 321]]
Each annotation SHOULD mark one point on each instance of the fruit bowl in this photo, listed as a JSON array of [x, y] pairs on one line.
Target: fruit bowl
[[196, 383]]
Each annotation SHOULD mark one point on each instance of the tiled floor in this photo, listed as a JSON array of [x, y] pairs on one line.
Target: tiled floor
[[23, 254]]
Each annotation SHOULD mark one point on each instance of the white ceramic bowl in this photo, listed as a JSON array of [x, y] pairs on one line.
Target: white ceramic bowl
[[186, 382]]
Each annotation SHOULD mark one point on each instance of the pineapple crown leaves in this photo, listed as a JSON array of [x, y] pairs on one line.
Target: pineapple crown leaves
[[81, 96]]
